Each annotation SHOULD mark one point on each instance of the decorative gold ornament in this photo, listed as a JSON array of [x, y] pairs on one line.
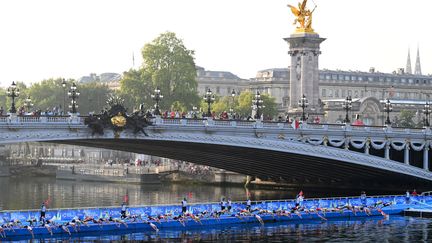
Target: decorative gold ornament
[[303, 17], [119, 120]]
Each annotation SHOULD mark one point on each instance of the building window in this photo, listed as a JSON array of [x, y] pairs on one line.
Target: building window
[[362, 94], [370, 79], [347, 78], [337, 93], [321, 76], [356, 94], [388, 79], [328, 77], [381, 79], [334, 77], [403, 80], [349, 93], [323, 92], [343, 93], [353, 78], [360, 78], [330, 93], [341, 77]]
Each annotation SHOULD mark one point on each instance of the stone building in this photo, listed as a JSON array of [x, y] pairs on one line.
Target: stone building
[[369, 90]]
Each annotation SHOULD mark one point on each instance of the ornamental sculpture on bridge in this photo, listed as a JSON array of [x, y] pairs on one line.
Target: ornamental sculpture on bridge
[[303, 17], [117, 119]]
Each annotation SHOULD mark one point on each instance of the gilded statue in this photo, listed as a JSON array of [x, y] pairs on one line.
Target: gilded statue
[[303, 17], [118, 120]]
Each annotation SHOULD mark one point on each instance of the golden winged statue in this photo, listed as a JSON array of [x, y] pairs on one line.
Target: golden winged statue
[[303, 17]]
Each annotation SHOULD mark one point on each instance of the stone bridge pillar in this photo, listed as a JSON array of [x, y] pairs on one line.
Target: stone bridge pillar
[[387, 150], [406, 154], [367, 146], [426, 156]]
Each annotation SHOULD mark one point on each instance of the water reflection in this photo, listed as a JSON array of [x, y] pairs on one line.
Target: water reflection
[[25, 193], [372, 229]]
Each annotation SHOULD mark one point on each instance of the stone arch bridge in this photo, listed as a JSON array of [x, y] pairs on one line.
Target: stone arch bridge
[[322, 155]]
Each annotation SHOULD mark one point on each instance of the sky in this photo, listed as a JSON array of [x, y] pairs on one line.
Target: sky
[[72, 38]]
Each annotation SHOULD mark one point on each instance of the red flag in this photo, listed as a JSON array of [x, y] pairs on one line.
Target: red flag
[[48, 201], [126, 198], [190, 195]]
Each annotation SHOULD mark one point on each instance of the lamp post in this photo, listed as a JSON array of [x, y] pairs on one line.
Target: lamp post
[[233, 95], [388, 108], [73, 94], [28, 103], [257, 105], [303, 103], [157, 97], [427, 111], [13, 92], [209, 98], [64, 95], [347, 105]]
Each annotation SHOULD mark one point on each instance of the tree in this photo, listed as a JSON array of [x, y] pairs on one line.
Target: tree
[[242, 104], [169, 65], [406, 119]]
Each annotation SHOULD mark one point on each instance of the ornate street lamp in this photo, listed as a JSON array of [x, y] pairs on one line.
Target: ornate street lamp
[[347, 105], [233, 94], [209, 98], [63, 83], [157, 97], [303, 103], [257, 104], [427, 111], [73, 94], [28, 103], [388, 108], [13, 92]]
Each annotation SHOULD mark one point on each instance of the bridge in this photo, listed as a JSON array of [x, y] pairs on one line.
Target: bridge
[[326, 155]]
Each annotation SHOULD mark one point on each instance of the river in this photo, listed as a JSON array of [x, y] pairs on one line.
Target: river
[[28, 193]]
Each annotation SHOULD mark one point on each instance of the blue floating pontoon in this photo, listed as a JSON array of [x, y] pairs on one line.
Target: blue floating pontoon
[[15, 225]]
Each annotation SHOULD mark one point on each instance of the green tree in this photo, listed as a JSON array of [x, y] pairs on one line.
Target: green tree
[[242, 104], [169, 65], [406, 119]]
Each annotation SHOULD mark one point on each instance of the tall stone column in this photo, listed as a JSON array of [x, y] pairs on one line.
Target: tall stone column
[[304, 72]]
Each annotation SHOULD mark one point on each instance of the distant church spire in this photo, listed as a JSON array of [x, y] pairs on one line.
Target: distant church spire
[[408, 64], [417, 65]]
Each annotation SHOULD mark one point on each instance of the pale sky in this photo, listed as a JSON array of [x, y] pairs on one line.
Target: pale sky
[[72, 38]]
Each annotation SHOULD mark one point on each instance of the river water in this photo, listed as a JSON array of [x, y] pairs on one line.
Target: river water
[[28, 193]]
